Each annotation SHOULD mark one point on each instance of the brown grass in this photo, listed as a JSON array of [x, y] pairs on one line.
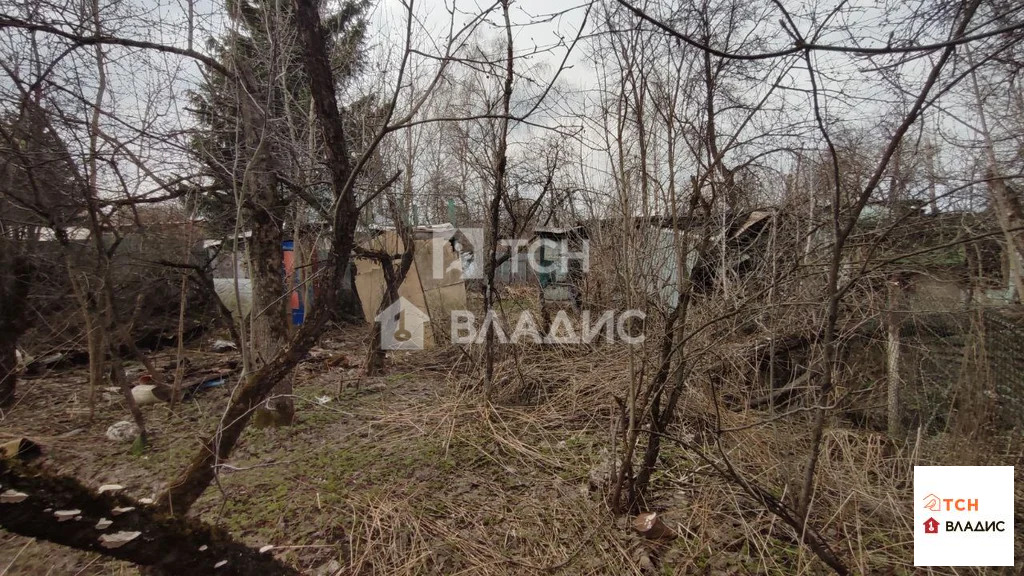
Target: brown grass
[[409, 474]]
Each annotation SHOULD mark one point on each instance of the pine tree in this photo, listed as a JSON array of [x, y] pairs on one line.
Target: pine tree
[[259, 145], [36, 192]]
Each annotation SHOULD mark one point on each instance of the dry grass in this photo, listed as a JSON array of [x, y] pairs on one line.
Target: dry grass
[[864, 485], [409, 474]]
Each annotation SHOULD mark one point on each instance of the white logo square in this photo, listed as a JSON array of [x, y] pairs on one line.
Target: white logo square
[[963, 516]]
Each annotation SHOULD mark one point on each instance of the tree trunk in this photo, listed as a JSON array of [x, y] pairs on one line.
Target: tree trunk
[[672, 348], [1005, 202], [841, 231], [637, 488], [270, 326], [266, 211], [118, 377], [93, 333], [117, 334], [349, 308], [169, 545], [15, 281], [193, 481], [500, 168], [97, 357], [8, 369], [182, 493], [393, 280], [892, 349]]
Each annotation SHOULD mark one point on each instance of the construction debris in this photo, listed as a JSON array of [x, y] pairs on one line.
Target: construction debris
[[650, 525], [64, 515], [122, 431], [223, 346], [118, 539], [12, 497], [144, 394]]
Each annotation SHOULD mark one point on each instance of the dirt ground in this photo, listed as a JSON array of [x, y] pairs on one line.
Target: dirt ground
[[396, 474], [407, 474]]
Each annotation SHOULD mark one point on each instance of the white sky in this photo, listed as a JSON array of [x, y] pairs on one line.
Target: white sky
[[154, 85]]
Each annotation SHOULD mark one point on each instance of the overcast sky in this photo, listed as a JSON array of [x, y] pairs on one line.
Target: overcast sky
[[155, 84]]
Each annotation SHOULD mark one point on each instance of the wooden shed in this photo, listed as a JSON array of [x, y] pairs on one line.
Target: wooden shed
[[434, 283]]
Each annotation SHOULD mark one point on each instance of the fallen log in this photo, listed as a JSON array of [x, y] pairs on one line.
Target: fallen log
[[60, 509]]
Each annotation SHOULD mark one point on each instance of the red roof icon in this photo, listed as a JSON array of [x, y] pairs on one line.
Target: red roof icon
[[931, 526]]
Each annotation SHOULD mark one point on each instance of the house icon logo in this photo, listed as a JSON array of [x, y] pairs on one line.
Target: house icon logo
[[401, 326], [932, 502], [931, 526]]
